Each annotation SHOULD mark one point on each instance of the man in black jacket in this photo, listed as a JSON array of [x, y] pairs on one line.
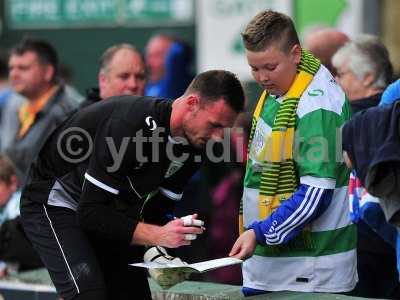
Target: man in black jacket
[[107, 180]]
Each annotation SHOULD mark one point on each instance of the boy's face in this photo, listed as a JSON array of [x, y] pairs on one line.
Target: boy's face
[[273, 69], [6, 191]]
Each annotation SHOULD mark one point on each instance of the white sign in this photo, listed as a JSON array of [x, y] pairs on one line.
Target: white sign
[[219, 25], [348, 17], [351, 20]]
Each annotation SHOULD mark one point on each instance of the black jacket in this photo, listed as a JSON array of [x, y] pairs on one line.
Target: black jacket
[[23, 151], [365, 103], [111, 195], [92, 96], [372, 142]]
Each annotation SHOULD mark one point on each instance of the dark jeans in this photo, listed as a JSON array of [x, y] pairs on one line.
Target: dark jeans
[[79, 263]]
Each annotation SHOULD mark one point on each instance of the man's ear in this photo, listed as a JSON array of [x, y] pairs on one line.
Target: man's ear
[[193, 102], [49, 72], [295, 54], [368, 80], [102, 77]]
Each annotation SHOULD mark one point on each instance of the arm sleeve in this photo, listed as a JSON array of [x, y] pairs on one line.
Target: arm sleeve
[[289, 219], [96, 215], [105, 183]]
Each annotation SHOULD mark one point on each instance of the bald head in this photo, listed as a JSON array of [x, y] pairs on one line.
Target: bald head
[[324, 43], [122, 72]]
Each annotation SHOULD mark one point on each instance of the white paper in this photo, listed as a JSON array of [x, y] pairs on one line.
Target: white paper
[[208, 265], [201, 267]]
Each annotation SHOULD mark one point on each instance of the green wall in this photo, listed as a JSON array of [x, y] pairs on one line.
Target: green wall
[[80, 49]]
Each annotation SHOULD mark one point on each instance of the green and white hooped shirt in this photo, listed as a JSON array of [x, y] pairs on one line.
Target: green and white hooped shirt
[[322, 258]]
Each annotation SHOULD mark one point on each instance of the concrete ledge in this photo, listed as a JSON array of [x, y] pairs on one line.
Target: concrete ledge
[[37, 285], [191, 290]]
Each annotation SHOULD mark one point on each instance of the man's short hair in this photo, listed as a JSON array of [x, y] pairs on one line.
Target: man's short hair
[[108, 55], [366, 54], [7, 169], [269, 27], [45, 52], [216, 84]]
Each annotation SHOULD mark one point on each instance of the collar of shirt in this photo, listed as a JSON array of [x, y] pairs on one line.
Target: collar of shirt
[[29, 110]]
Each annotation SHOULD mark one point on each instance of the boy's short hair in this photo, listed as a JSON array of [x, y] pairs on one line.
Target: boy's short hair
[[267, 28]]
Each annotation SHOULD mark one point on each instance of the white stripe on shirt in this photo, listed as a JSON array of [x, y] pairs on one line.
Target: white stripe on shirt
[[170, 194], [296, 219], [100, 184]]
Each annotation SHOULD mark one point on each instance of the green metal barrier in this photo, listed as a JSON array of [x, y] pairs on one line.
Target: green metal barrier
[[37, 285]]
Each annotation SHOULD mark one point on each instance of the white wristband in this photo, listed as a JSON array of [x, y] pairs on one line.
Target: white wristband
[[190, 237], [189, 221]]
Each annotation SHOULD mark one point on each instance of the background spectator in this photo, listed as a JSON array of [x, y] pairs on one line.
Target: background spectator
[[363, 71], [122, 72], [168, 61], [16, 251], [9, 197], [34, 74], [9, 101], [324, 43]]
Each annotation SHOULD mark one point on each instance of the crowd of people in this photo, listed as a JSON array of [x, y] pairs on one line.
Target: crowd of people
[[106, 172]]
